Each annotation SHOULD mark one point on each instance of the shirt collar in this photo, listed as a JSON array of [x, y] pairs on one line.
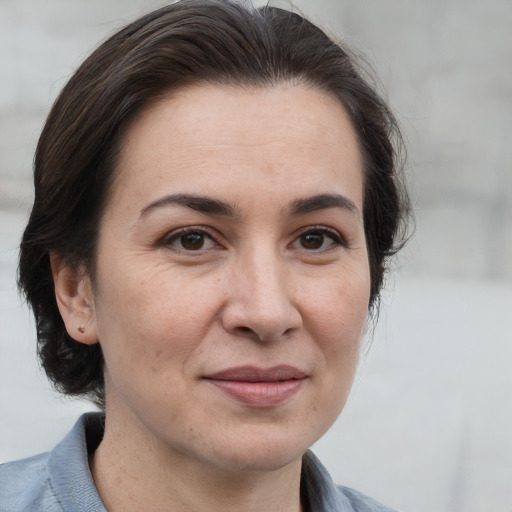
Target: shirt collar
[[68, 466]]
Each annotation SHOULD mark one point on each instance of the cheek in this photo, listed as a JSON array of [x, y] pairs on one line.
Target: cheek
[[151, 317], [338, 308], [336, 321]]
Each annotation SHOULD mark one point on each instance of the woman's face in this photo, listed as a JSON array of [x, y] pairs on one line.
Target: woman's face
[[232, 280]]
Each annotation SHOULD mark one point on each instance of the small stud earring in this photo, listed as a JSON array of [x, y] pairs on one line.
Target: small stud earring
[[81, 329]]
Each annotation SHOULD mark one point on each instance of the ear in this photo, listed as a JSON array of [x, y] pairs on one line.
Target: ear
[[73, 291]]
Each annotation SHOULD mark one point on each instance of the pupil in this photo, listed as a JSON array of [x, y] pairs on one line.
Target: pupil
[[312, 240], [192, 241]]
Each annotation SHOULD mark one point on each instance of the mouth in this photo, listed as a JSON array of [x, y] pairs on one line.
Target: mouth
[[259, 387]]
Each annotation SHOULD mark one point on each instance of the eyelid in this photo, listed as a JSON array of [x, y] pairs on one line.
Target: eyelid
[[175, 234], [332, 233]]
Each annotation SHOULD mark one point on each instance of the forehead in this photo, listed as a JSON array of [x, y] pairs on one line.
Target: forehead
[[279, 106], [207, 131]]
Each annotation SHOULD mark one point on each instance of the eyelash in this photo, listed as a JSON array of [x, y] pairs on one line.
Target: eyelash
[[334, 235], [175, 236], [202, 231]]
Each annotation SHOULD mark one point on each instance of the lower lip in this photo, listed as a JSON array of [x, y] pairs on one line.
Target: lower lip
[[259, 394]]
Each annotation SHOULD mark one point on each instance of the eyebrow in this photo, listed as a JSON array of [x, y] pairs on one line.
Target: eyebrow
[[212, 206], [194, 202], [322, 202]]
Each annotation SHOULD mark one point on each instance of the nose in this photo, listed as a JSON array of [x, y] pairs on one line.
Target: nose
[[260, 302]]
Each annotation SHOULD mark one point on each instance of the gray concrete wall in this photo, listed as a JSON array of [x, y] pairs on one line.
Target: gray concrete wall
[[428, 426]]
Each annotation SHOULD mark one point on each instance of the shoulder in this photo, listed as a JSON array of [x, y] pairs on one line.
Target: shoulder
[[361, 502], [25, 485], [323, 495], [57, 481]]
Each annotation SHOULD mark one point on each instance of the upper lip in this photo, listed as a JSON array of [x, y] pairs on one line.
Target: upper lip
[[256, 374]]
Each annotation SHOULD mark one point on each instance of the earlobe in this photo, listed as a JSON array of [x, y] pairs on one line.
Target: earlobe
[[73, 292]]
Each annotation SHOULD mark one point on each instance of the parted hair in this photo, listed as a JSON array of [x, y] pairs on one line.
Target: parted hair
[[217, 42]]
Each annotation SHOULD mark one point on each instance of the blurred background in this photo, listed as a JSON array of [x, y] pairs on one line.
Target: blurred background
[[427, 427]]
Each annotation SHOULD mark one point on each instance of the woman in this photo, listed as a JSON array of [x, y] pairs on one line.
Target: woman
[[217, 192]]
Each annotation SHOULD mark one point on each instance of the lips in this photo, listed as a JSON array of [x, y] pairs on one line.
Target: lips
[[259, 387]]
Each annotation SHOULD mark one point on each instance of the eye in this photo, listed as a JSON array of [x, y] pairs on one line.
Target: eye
[[189, 239], [318, 239]]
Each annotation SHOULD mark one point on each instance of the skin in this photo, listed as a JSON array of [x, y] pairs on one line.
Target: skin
[[272, 281]]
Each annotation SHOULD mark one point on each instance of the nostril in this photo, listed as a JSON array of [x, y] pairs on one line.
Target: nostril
[[245, 330], [253, 319]]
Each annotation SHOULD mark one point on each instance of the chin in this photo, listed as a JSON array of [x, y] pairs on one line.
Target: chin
[[267, 455], [260, 462]]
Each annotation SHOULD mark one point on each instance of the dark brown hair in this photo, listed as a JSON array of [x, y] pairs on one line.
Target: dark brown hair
[[217, 42]]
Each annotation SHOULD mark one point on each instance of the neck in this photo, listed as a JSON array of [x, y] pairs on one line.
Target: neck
[[131, 475]]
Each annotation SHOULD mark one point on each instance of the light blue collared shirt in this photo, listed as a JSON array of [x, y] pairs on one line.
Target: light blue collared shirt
[[60, 480]]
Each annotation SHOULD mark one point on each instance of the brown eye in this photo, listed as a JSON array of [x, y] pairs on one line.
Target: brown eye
[[192, 241], [189, 240], [318, 239], [312, 240]]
